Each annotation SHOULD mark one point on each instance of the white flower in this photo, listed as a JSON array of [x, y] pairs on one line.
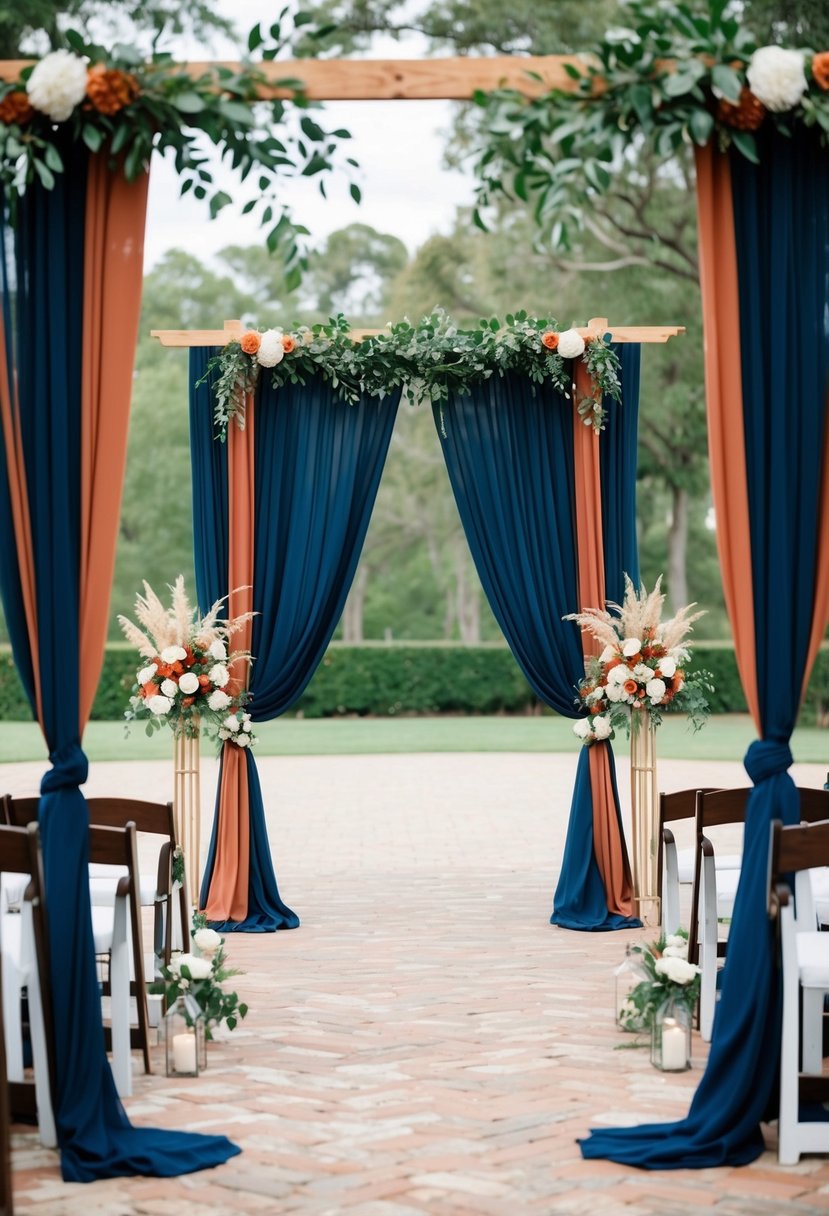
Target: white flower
[[231, 723], [617, 36], [596, 695], [677, 970], [189, 683], [777, 77], [655, 689], [570, 344], [218, 650], [676, 939], [57, 84], [169, 688], [618, 674], [207, 940], [219, 675], [601, 727], [223, 734], [642, 671], [218, 700], [199, 968], [245, 720], [271, 350], [667, 666], [242, 740], [159, 705], [173, 654], [615, 692], [581, 728], [676, 951], [630, 647], [147, 673], [607, 654]]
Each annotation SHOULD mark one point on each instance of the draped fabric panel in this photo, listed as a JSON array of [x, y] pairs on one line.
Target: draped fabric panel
[[765, 274], [510, 454], [316, 466], [72, 292]]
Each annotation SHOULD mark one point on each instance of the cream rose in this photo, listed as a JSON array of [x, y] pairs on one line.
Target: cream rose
[[601, 727], [667, 666], [169, 688], [207, 940], [677, 970], [655, 689], [57, 84], [199, 968], [231, 723], [188, 683], [631, 646], [147, 673], [218, 700], [159, 705], [570, 344], [581, 728], [173, 654], [218, 650], [777, 77], [271, 351], [219, 675]]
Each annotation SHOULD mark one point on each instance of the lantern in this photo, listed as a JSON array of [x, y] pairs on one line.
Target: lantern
[[185, 1049]]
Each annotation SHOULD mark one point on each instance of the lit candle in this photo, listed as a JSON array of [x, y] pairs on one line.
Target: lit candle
[[674, 1043], [184, 1052]]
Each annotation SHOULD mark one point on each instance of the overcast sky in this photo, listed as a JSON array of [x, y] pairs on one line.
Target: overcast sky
[[398, 144]]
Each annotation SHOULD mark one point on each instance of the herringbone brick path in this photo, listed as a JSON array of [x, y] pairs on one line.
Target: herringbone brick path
[[426, 1043]]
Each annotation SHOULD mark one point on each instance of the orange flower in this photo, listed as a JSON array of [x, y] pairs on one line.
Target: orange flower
[[204, 681], [820, 70], [611, 663], [746, 115], [250, 341], [148, 690], [630, 687], [288, 344], [15, 109], [110, 89], [550, 340], [187, 702], [165, 671]]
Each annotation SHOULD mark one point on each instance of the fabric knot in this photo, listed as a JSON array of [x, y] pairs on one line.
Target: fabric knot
[[70, 768], [767, 758]]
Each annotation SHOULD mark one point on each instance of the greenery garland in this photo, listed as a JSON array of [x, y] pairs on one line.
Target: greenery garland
[[680, 74], [117, 101], [429, 361]]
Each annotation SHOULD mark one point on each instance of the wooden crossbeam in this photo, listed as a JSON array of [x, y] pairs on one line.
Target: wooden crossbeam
[[448, 79], [646, 334]]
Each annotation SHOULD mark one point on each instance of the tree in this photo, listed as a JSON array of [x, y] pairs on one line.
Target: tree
[[41, 24]]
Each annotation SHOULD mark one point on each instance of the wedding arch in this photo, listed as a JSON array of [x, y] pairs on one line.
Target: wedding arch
[[765, 248]]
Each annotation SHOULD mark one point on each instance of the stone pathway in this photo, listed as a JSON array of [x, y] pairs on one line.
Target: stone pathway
[[426, 1043]]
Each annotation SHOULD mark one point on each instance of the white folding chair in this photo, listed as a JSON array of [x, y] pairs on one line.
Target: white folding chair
[[805, 970]]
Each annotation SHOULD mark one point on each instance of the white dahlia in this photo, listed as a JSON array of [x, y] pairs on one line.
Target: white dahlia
[[570, 344], [271, 351], [777, 77], [57, 84]]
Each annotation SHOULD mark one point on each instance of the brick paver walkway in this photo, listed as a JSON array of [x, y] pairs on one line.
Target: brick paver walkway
[[426, 1043]]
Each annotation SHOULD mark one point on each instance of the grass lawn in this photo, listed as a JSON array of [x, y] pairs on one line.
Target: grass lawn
[[726, 737]]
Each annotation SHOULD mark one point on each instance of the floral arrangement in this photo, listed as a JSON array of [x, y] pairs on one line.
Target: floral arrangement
[[666, 976], [679, 73], [429, 360], [186, 683], [643, 665], [116, 100], [201, 974]]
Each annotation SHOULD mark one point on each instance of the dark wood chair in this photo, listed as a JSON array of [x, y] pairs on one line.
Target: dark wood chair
[[6, 1195], [27, 951], [676, 866]]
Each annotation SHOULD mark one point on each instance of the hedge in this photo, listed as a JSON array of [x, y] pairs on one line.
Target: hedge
[[417, 678]]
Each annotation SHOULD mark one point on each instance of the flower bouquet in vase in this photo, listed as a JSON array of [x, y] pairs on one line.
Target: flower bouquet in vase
[[642, 673], [186, 682]]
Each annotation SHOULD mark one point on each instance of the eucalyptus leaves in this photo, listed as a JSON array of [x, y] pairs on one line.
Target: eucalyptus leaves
[[429, 361]]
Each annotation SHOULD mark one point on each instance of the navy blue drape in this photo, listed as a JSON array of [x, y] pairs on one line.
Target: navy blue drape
[[318, 464], [509, 454], [45, 294], [781, 228]]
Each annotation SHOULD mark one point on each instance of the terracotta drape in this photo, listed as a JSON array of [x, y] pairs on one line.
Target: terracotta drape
[[724, 397], [228, 895], [113, 269], [608, 844]]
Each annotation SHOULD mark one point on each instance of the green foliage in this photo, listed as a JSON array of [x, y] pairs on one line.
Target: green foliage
[[654, 990], [215, 1003], [169, 110], [660, 78], [430, 360]]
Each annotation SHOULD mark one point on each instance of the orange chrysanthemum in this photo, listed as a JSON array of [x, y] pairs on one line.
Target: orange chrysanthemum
[[250, 341], [820, 69], [16, 109], [630, 687], [288, 344], [550, 340], [746, 115], [110, 89]]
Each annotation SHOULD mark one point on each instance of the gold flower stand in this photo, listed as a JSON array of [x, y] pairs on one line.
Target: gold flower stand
[[644, 803], [187, 807]]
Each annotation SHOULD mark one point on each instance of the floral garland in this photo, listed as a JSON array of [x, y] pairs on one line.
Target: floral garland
[[186, 683], [666, 976], [679, 74], [201, 974], [429, 360], [118, 101], [643, 666]]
